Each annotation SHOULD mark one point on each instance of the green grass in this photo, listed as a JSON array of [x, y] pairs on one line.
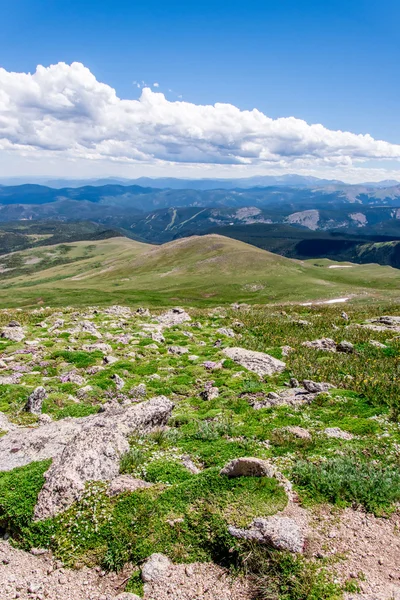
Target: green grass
[[350, 480], [119, 270]]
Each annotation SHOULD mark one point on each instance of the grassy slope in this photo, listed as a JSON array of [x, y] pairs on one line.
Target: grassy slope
[[198, 271]]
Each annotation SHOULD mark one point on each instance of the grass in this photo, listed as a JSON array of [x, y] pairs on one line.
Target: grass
[[185, 515], [119, 270], [350, 480]]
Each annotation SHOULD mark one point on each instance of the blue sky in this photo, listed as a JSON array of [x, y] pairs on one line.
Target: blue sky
[[329, 62]]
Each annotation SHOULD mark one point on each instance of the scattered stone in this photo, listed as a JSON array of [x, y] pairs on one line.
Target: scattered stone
[[336, 432], [346, 347], [143, 312], [44, 419], [158, 337], [126, 483], [35, 401], [189, 464], [248, 467], [174, 316], [15, 334], [326, 344], [210, 365], [119, 382], [377, 344], [99, 346], [293, 382], [155, 567], [226, 331], [110, 360], [83, 392], [286, 350], [5, 424], [257, 362], [210, 392], [193, 357], [139, 391], [345, 316], [127, 596], [316, 388], [299, 432], [279, 532], [72, 377], [14, 324], [177, 350]]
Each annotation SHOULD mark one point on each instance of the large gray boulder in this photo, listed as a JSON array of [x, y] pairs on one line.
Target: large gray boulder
[[94, 452], [279, 532], [155, 567], [258, 362]]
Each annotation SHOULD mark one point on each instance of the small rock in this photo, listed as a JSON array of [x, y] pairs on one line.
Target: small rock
[[110, 360], [178, 350], [316, 388], [158, 337], [35, 401], [293, 382], [119, 382], [346, 347], [257, 362], [336, 432], [210, 392], [189, 464], [226, 331], [248, 467], [299, 432], [127, 596], [15, 334], [155, 567], [345, 316], [326, 344]]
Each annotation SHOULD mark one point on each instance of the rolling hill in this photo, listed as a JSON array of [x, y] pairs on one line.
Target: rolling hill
[[207, 270]]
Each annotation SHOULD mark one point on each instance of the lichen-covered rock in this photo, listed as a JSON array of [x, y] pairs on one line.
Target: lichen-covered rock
[[155, 567], [94, 453], [336, 432], [346, 347], [15, 334], [35, 401], [279, 532], [174, 316], [178, 350], [226, 331], [257, 362], [326, 344], [248, 467], [209, 392], [316, 388]]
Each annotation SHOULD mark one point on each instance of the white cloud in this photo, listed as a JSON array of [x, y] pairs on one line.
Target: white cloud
[[156, 84], [64, 111]]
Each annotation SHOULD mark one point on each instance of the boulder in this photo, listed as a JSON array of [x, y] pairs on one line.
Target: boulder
[[174, 316], [316, 388], [248, 467], [326, 344], [35, 401], [279, 532], [346, 347], [226, 331], [155, 567], [126, 483], [257, 362], [15, 334]]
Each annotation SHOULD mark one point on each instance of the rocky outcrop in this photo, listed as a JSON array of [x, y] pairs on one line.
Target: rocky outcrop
[[279, 532], [257, 362], [174, 316], [93, 453], [326, 344]]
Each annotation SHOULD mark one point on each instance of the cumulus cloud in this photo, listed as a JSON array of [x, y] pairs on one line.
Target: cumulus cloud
[[64, 110]]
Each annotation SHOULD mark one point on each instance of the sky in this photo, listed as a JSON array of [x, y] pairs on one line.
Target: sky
[[200, 89]]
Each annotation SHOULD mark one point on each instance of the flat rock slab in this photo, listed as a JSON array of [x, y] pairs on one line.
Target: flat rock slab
[[257, 362], [279, 532]]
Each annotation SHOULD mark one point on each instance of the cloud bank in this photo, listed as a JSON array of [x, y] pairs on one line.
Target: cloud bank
[[63, 110]]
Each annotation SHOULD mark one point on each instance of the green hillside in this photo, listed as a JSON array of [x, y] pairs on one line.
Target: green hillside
[[207, 270]]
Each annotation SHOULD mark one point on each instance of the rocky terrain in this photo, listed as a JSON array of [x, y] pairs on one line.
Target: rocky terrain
[[234, 452]]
